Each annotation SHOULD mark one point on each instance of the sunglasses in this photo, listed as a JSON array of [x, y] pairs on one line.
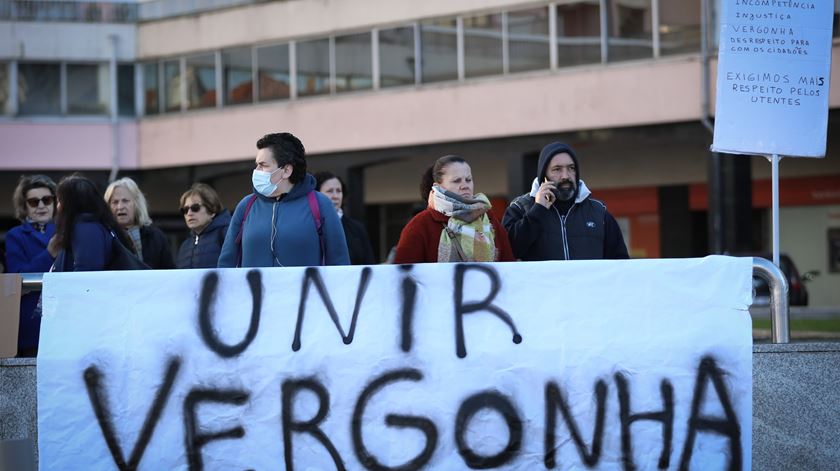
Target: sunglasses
[[193, 207], [47, 200]]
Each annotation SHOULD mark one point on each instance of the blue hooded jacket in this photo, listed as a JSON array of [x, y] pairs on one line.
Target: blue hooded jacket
[[280, 231]]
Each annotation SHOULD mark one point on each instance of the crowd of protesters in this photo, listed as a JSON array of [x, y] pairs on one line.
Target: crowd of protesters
[[292, 218]]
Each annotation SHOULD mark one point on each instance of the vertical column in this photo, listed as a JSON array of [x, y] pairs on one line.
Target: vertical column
[[655, 25], [605, 31], [255, 77], [374, 57], [459, 28], [139, 90], [418, 54], [552, 35], [62, 88], [505, 44], [332, 65], [13, 105], [221, 88], [293, 85], [182, 81], [675, 223]]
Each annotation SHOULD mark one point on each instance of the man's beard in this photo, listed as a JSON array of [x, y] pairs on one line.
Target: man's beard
[[565, 190]]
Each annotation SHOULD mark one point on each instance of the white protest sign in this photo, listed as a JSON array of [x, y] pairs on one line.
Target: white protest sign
[[774, 65], [436, 366]]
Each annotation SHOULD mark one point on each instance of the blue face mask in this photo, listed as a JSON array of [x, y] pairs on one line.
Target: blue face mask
[[262, 182]]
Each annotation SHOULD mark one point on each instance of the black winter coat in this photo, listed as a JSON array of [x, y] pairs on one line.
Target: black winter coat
[[358, 243], [156, 250], [202, 250]]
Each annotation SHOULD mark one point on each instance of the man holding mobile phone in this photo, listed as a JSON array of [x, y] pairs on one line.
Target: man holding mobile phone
[[558, 219]]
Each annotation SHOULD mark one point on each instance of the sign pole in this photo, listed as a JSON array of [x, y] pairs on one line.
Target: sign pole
[[774, 161]]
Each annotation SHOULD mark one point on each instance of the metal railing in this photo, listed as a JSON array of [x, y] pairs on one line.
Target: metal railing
[[68, 11], [763, 268]]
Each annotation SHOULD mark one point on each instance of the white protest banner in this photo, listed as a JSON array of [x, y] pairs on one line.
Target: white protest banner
[[774, 65], [548, 365]]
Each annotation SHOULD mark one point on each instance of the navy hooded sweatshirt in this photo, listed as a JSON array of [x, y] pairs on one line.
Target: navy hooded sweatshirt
[[581, 229]]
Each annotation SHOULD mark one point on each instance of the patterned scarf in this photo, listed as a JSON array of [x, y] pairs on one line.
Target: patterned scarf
[[468, 224], [134, 233]]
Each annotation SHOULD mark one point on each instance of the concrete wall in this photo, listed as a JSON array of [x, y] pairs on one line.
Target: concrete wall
[[795, 397], [56, 41], [64, 144]]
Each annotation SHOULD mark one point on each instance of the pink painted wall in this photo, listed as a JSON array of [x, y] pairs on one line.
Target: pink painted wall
[[52, 145]]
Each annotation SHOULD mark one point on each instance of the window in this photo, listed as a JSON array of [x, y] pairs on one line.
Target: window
[[528, 40], [630, 32], [201, 81], [151, 89], [4, 87], [439, 50], [88, 89], [172, 85], [313, 67], [125, 90], [236, 71], [578, 33], [273, 72], [396, 56], [679, 27], [39, 89], [483, 45], [353, 62]]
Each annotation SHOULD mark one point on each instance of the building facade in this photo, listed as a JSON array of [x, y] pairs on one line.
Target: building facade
[[171, 94]]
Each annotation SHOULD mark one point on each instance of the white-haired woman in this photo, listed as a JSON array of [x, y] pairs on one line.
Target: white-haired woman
[[129, 207]]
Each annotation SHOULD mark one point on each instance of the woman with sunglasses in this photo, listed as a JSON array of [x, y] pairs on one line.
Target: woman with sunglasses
[[208, 223], [26, 248]]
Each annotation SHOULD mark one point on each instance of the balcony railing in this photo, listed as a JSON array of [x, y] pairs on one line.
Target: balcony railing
[[68, 11]]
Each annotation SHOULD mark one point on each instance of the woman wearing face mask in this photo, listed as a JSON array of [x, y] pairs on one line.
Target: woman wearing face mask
[[208, 224], [26, 248], [128, 204], [457, 225], [285, 222], [358, 243]]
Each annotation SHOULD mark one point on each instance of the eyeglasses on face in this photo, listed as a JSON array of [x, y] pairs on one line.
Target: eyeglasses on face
[[193, 207], [47, 200]]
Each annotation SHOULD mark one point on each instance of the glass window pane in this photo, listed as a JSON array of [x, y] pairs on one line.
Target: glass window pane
[[679, 27], [172, 86], [88, 89], [353, 63], [313, 67], [273, 72], [39, 91], [4, 86], [396, 56], [439, 50], [201, 81], [528, 40], [578, 33], [483, 45], [630, 35], [151, 89], [236, 70], [125, 90]]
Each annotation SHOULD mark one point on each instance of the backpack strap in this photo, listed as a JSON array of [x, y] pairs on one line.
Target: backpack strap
[[242, 228], [316, 215]]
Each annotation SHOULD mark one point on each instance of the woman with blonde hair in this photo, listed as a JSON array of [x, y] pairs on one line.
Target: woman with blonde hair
[[457, 225], [128, 205]]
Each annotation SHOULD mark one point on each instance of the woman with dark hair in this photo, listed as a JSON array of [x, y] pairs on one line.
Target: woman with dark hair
[[358, 243], [26, 248], [208, 223], [284, 222], [85, 228], [457, 225]]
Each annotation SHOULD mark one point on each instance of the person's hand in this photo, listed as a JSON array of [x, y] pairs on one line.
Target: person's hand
[[545, 195], [52, 247]]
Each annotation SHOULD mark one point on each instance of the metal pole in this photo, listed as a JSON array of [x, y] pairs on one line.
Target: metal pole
[[774, 161], [779, 310]]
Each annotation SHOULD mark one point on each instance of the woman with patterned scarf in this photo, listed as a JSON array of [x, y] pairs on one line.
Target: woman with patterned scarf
[[457, 225]]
